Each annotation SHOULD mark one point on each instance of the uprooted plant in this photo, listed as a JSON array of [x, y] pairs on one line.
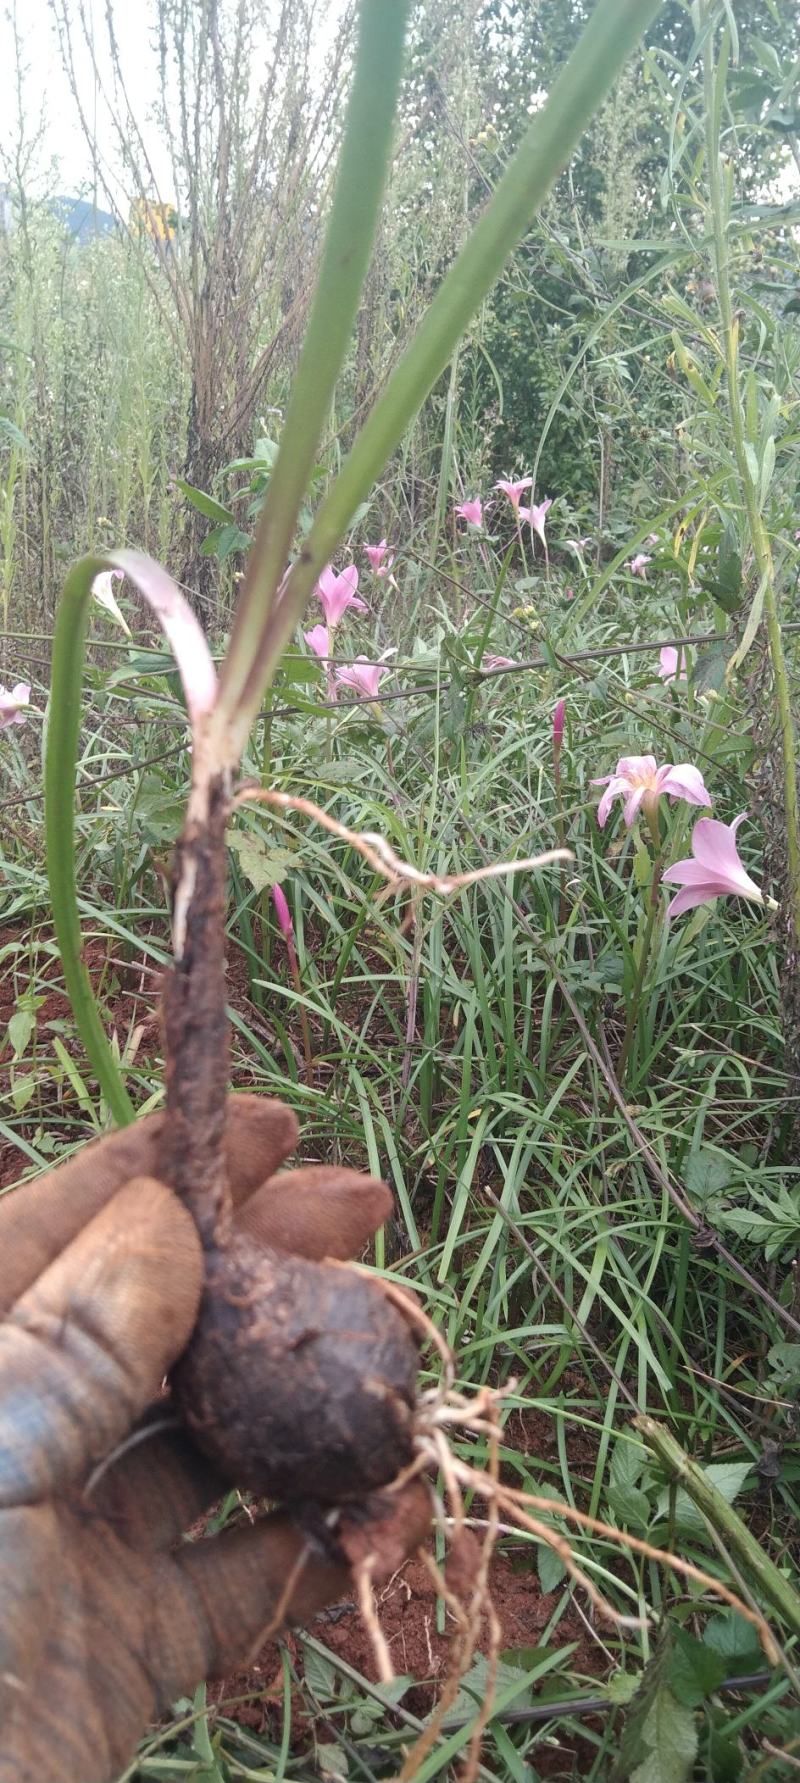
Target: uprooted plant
[[301, 1377]]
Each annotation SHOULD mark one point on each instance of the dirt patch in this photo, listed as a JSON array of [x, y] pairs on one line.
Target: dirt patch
[[408, 1611]]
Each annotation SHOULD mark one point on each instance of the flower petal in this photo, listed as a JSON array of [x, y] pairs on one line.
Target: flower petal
[[683, 781], [690, 898]]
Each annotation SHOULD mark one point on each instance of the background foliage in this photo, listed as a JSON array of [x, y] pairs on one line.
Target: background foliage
[[467, 1056]]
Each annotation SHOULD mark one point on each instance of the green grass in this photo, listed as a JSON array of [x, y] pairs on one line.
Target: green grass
[[527, 1217]]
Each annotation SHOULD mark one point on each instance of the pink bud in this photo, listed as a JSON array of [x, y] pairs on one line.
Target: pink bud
[[559, 715], [283, 913]]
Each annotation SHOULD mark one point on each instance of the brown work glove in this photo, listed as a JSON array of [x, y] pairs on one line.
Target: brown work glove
[[105, 1615]]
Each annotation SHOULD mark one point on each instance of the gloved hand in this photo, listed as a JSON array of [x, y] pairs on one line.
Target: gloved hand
[[105, 1615]]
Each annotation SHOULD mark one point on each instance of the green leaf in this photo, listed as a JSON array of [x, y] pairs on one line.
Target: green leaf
[[20, 1028], [224, 540], [628, 1462], [669, 1736], [262, 866], [695, 1670], [9, 431], [205, 504], [707, 1173], [708, 674], [735, 1640], [727, 1476], [659, 1742], [550, 1568], [332, 1762]]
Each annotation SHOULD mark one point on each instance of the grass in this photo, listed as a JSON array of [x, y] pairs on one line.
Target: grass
[[527, 1217]]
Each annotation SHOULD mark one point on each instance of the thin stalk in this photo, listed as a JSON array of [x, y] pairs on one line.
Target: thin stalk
[[634, 1005], [356, 204], [614, 28], [713, 83], [746, 1548], [61, 761]]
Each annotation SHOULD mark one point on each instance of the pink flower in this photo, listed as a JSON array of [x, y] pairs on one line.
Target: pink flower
[[559, 716], [715, 870], [673, 667], [318, 640], [652, 538], [376, 555], [514, 490], [578, 544], [569, 594], [103, 591], [337, 593], [638, 564], [363, 675], [638, 778], [12, 701], [471, 511], [498, 662], [537, 514], [283, 914]]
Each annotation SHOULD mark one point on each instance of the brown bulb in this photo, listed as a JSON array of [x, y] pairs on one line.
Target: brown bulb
[[300, 1377]]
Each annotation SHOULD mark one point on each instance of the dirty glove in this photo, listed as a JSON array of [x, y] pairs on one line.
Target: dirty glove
[[106, 1616]]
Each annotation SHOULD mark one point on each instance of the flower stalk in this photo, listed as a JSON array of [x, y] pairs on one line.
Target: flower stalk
[[714, 74]]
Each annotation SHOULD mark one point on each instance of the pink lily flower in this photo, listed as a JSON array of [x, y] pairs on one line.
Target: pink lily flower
[[498, 662], [537, 515], [12, 701], [638, 565], [715, 870], [639, 781], [578, 545], [103, 591], [318, 640], [363, 675], [514, 490], [376, 555], [672, 664], [337, 593], [471, 511]]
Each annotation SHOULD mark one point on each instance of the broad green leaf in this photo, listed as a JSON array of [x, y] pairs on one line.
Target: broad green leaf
[[262, 866], [707, 1174], [669, 1736], [727, 1476], [20, 1028], [550, 1568], [695, 1670], [9, 431], [206, 504]]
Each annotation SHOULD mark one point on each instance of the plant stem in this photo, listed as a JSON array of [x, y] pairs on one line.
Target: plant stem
[[613, 29], [63, 735], [713, 78], [723, 1518], [357, 198], [641, 970]]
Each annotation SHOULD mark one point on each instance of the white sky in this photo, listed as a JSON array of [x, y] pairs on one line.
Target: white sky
[[47, 94]]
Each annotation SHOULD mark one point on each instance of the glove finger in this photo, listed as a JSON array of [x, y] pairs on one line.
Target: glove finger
[[36, 1223], [86, 1348], [158, 1488], [28, 1561], [229, 1594], [316, 1212]]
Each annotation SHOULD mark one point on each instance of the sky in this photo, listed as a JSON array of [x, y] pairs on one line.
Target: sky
[[47, 96]]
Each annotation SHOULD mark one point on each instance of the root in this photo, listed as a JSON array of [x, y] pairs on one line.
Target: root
[[400, 875], [369, 1616]]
